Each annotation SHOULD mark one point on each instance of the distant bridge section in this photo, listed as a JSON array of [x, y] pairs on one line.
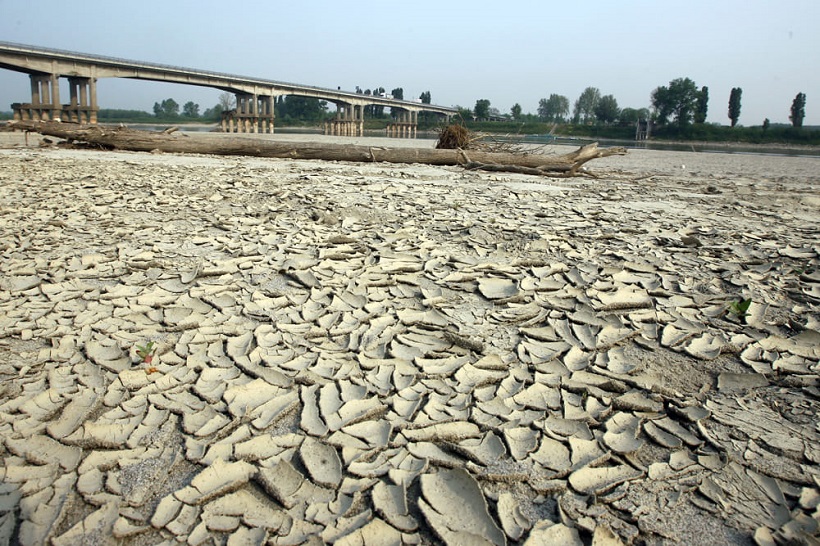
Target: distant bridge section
[[255, 97]]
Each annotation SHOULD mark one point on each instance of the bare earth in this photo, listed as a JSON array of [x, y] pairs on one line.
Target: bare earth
[[367, 353]]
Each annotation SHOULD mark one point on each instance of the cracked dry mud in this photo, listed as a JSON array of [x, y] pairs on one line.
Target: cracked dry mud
[[384, 354]]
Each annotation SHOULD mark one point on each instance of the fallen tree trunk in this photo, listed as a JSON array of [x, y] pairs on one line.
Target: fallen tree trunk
[[122, 138]]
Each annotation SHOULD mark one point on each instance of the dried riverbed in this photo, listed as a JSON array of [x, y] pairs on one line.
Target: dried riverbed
[[387, 354]]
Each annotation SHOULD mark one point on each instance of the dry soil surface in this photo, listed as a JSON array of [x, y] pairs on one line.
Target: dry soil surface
[[368, 353]]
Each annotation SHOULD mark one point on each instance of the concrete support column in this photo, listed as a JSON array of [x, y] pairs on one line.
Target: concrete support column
[[45, 97], [236, 120], [255, 113], [35, 90], [82, 87], [92, 90], [81, 108], [73, 101], [57, 108], [37, 97]]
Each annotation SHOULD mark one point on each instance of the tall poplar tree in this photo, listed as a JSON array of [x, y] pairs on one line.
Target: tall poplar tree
[[734, 104], [798, 110], [702, 105]]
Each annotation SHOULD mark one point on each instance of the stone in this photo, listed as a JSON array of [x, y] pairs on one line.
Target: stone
[[244, 536], [282, 482], [94, 528], [547, 532], [218, 479], [252, 510], [513, 521], [486, 450], [455, 508], [452, 432], [637, 401], [321, 461], [40, 449], [552, 455], [521, 441], [165, 512], [390, 501], [589, 480], [622, 430], [494, 288], [108, 355], [185, 521], [740, 381]]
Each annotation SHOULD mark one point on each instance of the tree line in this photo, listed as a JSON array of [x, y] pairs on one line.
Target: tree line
[[680, 103], [677, 109]]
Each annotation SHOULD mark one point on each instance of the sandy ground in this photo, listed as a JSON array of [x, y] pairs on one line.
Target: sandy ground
[[382, 354]]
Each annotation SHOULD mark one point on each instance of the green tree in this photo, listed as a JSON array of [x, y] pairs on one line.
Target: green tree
[[190, 109], [606, 111], [167, 108], [214, 113], [734, 104], [798, 110], [377, 110], [515, 111], [302, 108], [482, 109], [398, 93], [678, 100], [426, 98], [584, 109], [766, 124], [628, 116], [464, 113], [702, 105], [553, 109], [662, 104]]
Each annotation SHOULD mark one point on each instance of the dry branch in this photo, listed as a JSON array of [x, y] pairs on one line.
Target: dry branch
[[123, 138]]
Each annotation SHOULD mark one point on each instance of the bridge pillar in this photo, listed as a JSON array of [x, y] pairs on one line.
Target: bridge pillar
[[252, 113], [266, 113], [82, 107], [405, 126], [349, 121], [45, 99]]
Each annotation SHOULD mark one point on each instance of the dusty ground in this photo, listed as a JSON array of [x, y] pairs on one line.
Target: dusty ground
[[377, 354]]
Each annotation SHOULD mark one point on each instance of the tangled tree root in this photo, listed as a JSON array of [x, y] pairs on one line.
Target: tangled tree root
[[456, 137]]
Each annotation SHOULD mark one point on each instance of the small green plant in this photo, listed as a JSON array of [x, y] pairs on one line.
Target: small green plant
[[740, 309], [146, 352]]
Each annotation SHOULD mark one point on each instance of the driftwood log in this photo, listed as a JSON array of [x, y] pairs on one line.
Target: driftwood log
[[123, 138]]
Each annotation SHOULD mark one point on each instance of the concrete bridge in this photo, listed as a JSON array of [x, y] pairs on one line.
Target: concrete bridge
[[254, 97]]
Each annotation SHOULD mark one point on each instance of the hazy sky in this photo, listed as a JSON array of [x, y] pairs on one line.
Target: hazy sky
[[517, 51]]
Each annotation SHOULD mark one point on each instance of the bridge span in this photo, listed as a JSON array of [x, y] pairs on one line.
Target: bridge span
[[255, 97]]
